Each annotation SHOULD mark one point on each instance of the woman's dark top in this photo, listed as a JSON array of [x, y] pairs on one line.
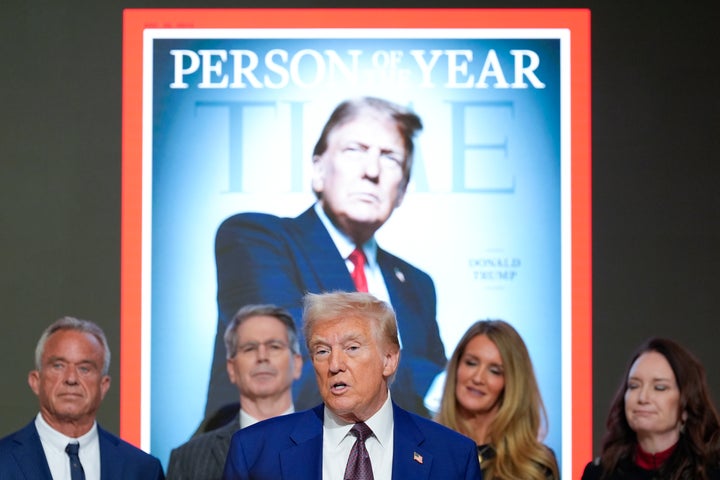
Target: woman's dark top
[[629, 470], [486, 452]]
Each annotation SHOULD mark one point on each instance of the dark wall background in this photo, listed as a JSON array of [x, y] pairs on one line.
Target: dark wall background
[[656, 202]]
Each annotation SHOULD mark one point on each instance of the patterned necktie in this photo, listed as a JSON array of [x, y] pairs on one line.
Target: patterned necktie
[[357, 257], [359, 466], [76, 469]]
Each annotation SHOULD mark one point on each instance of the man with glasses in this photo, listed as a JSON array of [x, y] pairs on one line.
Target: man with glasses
[[262, 360]]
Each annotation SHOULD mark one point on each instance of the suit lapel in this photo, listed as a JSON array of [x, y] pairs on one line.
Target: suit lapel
[[395, 279], [410, 460], [401, 295], [221, 447], [306, 455], [29, 454], [326, 266], [111, 467]]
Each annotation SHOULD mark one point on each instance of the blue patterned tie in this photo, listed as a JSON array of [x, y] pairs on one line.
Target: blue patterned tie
[[359, 466], [76, 470]]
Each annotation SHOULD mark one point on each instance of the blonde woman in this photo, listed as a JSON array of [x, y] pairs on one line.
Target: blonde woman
[[491, 395]]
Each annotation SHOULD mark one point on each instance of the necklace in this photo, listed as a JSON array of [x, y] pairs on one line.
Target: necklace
[[481, 451]]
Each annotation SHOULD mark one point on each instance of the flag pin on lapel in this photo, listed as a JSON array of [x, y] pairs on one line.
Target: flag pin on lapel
[[417, 457], [401, 276]]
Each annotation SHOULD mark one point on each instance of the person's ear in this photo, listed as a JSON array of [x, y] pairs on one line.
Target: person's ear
[[318, 174], [34, 381], [104, 386], [231, 371], [401, 194], [297, 365], [390, 362]]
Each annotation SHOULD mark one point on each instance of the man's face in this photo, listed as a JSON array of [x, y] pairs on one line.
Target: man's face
[[70, 384], [352, 367], [264, 366], [360, 175]]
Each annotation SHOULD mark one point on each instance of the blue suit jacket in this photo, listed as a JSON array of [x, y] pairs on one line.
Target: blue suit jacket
[[22, 457], [266, 259], [290, 448]]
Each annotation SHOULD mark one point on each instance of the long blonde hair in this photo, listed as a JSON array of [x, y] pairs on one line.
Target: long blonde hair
[[517, 431]]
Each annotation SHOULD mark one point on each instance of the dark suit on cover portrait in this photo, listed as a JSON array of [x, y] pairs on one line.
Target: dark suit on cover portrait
[[290, 448], [262, 258], [203, 456], [22, 457]]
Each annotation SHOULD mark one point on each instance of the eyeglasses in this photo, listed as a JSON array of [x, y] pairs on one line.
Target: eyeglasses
[[271, 347]]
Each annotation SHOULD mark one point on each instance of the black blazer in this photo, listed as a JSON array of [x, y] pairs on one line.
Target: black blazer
[[628, 470], [203, 457]]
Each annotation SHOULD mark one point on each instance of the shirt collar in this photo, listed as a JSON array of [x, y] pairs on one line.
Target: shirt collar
[[652, 461], [59, 440], [342, 242], [246, 419], [381, 423]]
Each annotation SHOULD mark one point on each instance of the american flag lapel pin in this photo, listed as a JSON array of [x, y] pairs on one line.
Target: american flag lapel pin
[[417, 457], [401, 276]]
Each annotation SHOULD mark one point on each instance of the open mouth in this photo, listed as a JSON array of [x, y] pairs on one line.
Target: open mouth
[[338, 387]]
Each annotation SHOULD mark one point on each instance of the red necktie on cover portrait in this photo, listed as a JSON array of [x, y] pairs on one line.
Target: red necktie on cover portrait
[[357, 257]]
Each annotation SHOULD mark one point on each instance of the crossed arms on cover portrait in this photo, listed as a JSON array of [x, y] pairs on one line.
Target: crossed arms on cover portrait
[[361, 169]]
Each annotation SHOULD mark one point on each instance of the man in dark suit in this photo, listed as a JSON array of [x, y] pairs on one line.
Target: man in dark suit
[[358, 432], [70, 380], [361, 169], [263, 359]]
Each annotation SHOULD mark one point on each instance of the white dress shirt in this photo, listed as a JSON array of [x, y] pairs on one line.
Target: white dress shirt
[[375, 280], [246, 419], [338, 441], [54, 443]]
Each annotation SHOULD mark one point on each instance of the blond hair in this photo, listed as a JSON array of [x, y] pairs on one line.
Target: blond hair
[[520, 424]]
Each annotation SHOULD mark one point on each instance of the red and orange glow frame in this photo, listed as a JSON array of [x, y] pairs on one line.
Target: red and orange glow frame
[[136, 310]]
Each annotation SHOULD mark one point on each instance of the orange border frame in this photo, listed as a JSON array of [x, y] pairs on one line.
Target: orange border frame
[[577, 21]]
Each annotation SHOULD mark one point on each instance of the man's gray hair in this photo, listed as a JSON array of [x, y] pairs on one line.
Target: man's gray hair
[[72, 323], [248, 311]]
